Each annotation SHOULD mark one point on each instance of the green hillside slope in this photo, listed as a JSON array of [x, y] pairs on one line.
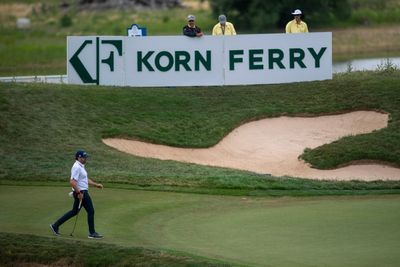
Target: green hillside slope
[[43, 124]]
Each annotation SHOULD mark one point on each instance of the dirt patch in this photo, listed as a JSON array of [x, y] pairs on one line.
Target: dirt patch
[[196, 5], [16, 10], [273, 146]]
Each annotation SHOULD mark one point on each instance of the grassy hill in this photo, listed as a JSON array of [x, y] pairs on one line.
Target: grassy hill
[[43, 124]]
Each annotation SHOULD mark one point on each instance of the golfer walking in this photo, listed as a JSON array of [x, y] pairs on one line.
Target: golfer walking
[[80, 184]]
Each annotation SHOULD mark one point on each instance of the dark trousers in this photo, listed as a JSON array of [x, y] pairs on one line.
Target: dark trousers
[[87, 204]]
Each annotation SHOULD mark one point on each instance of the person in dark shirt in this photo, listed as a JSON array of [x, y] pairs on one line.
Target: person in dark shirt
[[191, 30]]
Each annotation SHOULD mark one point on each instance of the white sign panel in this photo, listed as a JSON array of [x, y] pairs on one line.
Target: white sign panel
[[209, 60], [277, 58], [174, 61]]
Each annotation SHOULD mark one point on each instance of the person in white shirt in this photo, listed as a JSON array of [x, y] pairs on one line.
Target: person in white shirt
[[80, 183]]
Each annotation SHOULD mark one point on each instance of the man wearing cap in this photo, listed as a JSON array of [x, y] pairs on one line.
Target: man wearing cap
[[296, 25], [223, 27], [191, 30], [80, 184]]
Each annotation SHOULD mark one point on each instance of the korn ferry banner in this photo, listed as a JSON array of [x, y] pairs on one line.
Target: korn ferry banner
[[210, 60]]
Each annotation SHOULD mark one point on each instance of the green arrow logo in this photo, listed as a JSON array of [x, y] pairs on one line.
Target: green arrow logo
[[79, 67]]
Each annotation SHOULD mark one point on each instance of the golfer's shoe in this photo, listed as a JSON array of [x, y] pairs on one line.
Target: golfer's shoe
[[95, 236], [54, 229]]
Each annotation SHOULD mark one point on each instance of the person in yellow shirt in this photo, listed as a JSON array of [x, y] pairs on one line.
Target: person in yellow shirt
[[223, 27], [296, 25]]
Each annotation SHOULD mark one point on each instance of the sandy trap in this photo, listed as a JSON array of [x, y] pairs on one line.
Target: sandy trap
[[272, 146]]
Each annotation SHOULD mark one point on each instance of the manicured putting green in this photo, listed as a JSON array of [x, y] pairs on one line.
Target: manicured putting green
[[334, 231]]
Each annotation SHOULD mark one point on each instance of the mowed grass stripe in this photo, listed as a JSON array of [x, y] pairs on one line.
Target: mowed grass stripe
[[285, 232], [334, 231]]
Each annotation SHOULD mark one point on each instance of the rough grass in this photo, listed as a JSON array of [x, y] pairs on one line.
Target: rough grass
[[43, 124], [30, 250]]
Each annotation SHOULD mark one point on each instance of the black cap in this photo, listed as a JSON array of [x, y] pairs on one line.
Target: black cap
[[81, 154]]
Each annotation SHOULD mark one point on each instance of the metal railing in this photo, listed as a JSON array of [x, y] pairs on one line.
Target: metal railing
[[37, 79]]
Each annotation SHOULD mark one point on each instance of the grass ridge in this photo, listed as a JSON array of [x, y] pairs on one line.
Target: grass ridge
[[20, 249]]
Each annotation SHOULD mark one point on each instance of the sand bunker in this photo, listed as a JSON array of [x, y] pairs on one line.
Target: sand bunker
[[272, 146]]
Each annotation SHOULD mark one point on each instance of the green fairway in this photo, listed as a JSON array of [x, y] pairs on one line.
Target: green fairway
[[168, 213], [329, 231]]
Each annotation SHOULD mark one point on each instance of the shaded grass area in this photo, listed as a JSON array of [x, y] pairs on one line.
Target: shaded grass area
[[42, 125], [21, 249]]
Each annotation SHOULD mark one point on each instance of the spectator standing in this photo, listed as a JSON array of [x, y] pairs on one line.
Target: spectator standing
[[191, 30], [296, 25], [223, 27]]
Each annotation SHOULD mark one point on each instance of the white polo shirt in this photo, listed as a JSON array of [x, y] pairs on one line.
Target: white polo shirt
[[79, 174]]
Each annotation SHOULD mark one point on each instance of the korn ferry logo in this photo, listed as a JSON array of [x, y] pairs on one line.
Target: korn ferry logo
[[180, 61], [95, 57]]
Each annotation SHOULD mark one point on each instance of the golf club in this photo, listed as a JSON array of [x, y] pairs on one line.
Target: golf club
[[76, 219]]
